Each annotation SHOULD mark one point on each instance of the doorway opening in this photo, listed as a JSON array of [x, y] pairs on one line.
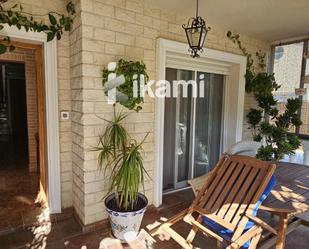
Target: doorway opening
[[192, 128], [13, 117], [20, 161]]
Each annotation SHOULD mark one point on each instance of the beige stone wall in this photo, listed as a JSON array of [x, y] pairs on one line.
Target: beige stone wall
[[27, 57], [77, 109], [104, 31], [113, 29]]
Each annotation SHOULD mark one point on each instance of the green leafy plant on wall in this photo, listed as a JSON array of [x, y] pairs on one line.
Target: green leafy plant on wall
[[269, 125], [16, 16], [119, 155], [132, 70]]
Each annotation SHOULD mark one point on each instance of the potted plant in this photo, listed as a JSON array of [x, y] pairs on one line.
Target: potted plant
[[120, 157]]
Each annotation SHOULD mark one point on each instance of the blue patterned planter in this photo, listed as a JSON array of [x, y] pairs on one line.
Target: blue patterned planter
[[124, 222]]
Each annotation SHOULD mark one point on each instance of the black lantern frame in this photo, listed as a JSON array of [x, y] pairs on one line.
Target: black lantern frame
[[196, 32]]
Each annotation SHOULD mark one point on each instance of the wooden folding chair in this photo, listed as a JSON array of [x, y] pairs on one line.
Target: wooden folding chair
[[227, 202]]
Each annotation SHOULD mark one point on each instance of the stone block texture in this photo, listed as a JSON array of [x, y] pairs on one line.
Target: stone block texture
[[105, 31]]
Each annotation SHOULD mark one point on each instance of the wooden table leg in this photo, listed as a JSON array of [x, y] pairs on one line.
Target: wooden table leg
[[283, 224]]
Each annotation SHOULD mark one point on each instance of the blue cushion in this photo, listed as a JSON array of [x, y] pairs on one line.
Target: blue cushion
[[226, 233]]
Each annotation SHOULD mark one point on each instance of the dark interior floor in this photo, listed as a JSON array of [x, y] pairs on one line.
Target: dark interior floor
[[66, 233], [18, 188], [14, 153]]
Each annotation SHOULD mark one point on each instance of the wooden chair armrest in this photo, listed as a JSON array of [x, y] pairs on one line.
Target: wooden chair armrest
[[251, 233], [277, 211], [261, 223]]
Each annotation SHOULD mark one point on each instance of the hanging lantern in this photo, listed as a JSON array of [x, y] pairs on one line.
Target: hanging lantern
[[196, 32]]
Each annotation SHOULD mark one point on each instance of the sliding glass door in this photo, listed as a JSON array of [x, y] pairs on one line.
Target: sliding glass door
[[192, 127], [208, 123]]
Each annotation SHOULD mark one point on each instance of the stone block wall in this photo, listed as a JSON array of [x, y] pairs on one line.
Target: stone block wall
[[107, 31]]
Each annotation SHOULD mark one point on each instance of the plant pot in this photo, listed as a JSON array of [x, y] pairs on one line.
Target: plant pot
[[123, 223]]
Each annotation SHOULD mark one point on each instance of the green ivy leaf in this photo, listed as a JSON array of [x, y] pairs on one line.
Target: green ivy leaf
[[2, 48], [50, 36], [14, 20], [52, 19], [14, 16]]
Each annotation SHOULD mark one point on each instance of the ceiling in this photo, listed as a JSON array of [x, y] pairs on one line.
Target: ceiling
[[269, 20]]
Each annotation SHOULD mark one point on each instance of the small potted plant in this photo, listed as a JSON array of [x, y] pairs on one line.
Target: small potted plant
[[120, 156]]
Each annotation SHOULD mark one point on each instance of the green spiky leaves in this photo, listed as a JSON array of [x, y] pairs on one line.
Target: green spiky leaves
[[121, 157]]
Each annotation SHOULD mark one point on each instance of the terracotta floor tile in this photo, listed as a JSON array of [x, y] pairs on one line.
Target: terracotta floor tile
[[91, 240], [18, 190]]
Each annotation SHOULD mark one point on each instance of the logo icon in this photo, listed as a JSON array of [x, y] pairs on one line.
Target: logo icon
[[113, 95]]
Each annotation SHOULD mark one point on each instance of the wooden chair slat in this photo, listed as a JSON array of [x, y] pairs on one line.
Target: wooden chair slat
[[262, 184], [221, 186], [251, 161], [217, 178], [211, 178], [216, 218], [248, 199], [227, 191], [242, 191], [235, 189]]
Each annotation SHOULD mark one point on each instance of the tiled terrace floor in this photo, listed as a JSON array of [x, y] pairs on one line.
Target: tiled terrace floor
[[65, 233], [18, 187]]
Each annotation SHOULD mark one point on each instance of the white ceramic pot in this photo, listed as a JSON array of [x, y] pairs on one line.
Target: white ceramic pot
[[125, 223]]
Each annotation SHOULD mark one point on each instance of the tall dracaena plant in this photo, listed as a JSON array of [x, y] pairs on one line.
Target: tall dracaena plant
[[15, 15], [268, 124], [121, 156]]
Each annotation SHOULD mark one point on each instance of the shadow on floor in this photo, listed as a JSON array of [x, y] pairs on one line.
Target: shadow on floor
[[65, 232]]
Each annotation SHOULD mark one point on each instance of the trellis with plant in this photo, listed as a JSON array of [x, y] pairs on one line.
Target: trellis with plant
[[270, 126]]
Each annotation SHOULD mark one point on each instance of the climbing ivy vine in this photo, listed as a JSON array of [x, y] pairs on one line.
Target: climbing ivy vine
[[15, 15], [269, 125]]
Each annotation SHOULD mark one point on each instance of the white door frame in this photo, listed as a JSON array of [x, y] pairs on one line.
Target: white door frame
[[214, 61], [51, 102]]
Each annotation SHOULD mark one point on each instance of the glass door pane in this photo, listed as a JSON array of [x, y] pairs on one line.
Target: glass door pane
[[192, 127], [183, 125], [208, 120], [177, 127]]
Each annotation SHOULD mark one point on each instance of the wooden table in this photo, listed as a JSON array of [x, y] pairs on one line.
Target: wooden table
[[289, 199]]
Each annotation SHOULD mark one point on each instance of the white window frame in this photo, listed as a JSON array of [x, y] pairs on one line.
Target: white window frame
[[214, 61]]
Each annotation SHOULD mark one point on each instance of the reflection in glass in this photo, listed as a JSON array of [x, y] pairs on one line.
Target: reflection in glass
[[208, 123]]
